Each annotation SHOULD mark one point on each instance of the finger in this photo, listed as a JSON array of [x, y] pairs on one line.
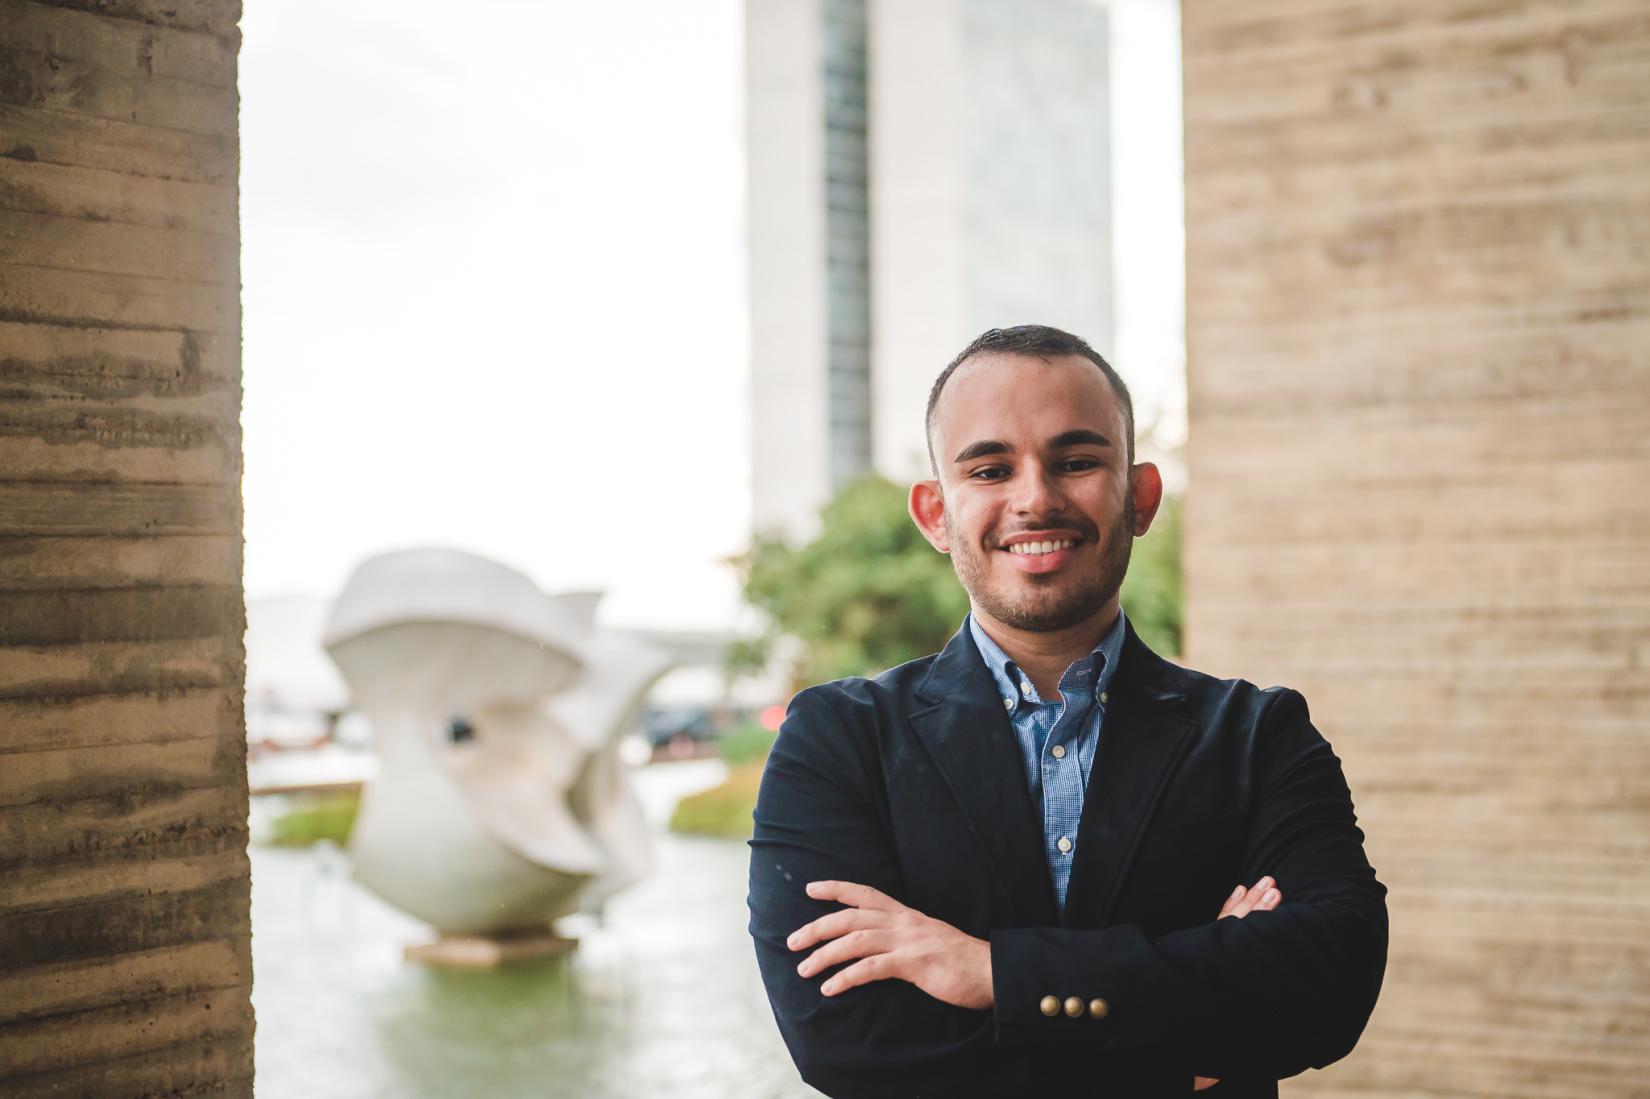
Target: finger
[[1251, 897], [1256, 891], [1204, 1082], [1241, 900], [1235, 904], [878, 967], [837, 923], [847, 892], [1269, 900], [855, 944]]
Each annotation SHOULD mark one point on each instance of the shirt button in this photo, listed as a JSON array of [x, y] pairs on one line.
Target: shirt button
[[1102, 696], [1008, 702], [1064, 845], [1058, 751], [1025, 685]]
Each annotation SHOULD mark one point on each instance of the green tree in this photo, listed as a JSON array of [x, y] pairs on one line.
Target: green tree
[[1151, 590], [870, 592]]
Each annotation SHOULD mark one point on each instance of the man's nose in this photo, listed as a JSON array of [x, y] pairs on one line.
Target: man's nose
[[1038, 492]]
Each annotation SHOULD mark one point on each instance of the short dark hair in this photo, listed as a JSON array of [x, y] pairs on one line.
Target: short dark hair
[[1037, 341]]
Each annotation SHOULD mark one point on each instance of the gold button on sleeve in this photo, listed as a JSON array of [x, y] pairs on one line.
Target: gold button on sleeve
[[1074, 1006], [1099, 1008], [1050, 1006]]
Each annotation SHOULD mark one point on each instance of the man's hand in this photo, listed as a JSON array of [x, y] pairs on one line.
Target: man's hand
[[1260, 897], [891, 940], [1263, 896]]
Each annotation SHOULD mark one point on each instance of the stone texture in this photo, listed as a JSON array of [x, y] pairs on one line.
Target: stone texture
[[1418, 325], [125, 964]]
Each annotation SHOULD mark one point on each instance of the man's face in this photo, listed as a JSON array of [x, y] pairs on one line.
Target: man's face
[[1035, 500]]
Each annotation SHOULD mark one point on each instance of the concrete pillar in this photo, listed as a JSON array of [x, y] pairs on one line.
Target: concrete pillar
[[125, 965], [1418, 323]]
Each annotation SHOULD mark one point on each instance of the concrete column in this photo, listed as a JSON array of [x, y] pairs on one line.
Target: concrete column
[[125, 964], [1418, 321]]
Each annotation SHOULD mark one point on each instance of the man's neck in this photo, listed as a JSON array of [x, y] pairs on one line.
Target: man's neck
[[1044, 656]]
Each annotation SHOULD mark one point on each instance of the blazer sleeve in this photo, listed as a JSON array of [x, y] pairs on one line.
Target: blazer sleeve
[[816, 819], [1271, 994]]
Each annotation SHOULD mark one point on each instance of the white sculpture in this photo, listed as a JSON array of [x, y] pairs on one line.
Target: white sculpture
[[500, 800]]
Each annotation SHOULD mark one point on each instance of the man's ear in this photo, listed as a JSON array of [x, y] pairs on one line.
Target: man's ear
[[927, 509], [1146, 484]]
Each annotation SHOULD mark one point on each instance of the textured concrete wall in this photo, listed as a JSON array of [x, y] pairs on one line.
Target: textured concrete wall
[[125, 967], [1418, 325]]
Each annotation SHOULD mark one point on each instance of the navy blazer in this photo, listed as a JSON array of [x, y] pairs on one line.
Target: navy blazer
[[912, 782]]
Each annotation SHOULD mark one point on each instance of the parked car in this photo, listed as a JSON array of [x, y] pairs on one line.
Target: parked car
[[663, 726]]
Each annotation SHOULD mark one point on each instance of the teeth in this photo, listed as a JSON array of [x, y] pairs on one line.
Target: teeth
[[1037, 549]]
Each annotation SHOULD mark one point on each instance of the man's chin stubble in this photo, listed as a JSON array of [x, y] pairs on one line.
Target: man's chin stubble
[[1094, 591], [1060, 616], [1092, 594]]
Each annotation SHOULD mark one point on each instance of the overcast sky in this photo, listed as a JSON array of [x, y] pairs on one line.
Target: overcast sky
[[494, 286]]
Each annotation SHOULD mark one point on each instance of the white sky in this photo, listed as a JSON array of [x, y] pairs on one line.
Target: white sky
[[494, 286]]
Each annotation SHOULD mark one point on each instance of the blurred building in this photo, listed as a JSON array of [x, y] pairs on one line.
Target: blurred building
[[1418, 325], [919, 172]]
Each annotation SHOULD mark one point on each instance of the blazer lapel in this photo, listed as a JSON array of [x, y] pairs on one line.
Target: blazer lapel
[[966, 730], [1142, 740]]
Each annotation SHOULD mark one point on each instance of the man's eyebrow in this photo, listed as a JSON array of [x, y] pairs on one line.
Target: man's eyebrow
[[1081, 436], [981, 449]]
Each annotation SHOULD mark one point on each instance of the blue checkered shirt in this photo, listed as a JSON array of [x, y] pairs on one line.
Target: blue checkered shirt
[[1057, 739]]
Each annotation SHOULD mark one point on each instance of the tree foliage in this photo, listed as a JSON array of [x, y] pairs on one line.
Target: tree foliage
[[1151, 590], [870, 592], [866, 594]]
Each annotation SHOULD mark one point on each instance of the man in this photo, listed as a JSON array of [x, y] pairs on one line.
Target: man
[[1000, 870]]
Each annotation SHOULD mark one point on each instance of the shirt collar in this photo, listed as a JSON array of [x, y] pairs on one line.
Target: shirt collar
[[1007, 674]]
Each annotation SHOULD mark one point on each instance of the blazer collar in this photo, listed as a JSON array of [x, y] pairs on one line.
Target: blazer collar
[[959, 668], [1008, 676], [964, 726]]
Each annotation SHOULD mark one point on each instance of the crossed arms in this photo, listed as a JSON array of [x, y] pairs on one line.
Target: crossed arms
[[1289, 987], [892, 941]]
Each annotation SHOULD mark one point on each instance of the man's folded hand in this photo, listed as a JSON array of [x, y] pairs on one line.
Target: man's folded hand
[[892, 940]]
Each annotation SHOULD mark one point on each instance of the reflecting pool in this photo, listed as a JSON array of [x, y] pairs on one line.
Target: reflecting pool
[[660, 998]]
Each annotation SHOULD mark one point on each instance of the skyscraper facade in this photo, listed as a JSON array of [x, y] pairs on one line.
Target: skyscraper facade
[[919, 172]]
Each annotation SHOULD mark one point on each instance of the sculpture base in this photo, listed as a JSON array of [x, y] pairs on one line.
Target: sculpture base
[[490, 951]]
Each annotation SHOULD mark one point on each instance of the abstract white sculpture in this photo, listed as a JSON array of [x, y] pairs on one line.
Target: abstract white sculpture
[[496, 709]]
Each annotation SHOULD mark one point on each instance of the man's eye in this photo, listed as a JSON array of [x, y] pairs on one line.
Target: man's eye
[[1078, 465], [989, 473]]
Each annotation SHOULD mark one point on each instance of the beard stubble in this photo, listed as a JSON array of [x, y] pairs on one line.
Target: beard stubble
[[1056, 601]]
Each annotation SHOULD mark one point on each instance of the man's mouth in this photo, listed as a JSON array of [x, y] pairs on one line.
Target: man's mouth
[[1037, 552], [1038, 549]]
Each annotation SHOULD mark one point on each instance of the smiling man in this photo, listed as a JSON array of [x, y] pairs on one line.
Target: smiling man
[[1020, 864]]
